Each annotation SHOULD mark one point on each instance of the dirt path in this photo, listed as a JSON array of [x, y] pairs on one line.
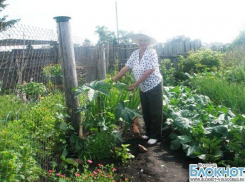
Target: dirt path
[[159, 164]]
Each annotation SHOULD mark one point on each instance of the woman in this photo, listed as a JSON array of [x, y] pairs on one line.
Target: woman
[[145, 67]]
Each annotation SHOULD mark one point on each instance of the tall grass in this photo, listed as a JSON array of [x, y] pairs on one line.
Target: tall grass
[[221, 91]]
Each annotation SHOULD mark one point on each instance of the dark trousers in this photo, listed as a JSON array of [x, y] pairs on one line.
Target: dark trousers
[[151, 102]]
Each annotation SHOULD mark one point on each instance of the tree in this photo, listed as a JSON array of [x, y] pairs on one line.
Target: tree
[[87, 42], [4, 23], [240, 40], [124, 37], [106, 35]]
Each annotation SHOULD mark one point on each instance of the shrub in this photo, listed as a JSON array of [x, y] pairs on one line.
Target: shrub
[[34, 90], [236, 74], [99, 145], [200, 60], [29, 140], [52, 70], [221, 91]]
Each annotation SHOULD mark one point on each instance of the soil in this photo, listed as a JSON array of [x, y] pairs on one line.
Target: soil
[[158, 164]]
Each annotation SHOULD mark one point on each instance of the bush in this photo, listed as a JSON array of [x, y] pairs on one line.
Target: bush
[[33, 90], [236, 74], [171, 75], [221, 91], [99, 145], [52, 70], [200, 60], [31, 139]]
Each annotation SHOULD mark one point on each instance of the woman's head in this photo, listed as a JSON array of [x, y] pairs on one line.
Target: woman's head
[[143, 42]]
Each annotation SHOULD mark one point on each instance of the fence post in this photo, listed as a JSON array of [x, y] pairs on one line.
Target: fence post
[[101, 62], [67, 58], [107, 55]]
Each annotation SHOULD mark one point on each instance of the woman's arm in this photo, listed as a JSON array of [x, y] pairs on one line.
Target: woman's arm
[[142, 78], [121, 73]]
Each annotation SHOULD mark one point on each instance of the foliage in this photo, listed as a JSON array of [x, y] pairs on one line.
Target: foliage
[[87, 42], [11, 107], [221, 90], [204, 131], [171, 75], [124, 37], [98, 146], [105, 173], [235, 75], [52, 70], [4, 23], [240, 40], [123, 153], [107, 101], [30, 139], [106, 35], [234, 56], [200, 60], [33, 90]]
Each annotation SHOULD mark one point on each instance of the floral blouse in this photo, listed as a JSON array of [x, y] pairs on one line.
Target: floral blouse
[[148, 61]]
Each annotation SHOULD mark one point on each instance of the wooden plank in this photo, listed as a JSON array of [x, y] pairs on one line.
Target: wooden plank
[[174, 48], [165, 52], [170, 48], [187, 45]]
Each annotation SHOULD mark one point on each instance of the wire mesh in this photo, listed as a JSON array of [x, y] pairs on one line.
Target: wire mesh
[[26, 138], [30, 79]]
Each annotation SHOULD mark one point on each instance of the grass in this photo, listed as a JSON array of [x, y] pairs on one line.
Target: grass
[[221, 91]]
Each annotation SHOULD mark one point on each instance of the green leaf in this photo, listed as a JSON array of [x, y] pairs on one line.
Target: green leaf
[[63, 126], [193, 150], [92, 94], [220, 129], [184, 139], [175, 145], [64, 153]]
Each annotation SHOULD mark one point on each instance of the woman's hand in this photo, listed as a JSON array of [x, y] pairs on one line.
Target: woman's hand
[[113, 79], [133, 86]]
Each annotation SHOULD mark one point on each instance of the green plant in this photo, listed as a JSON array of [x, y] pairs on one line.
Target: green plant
[[200, 60], [11, 107], [52, 70], [230, 94], [30, 139], [123, 153], [34, 90], [98, 146], [103, 173], [203, 130], [107, 102], [235, 74]]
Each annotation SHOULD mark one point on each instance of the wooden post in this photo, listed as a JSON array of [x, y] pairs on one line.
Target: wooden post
[[106, 44], [101, 62], [68, 65]]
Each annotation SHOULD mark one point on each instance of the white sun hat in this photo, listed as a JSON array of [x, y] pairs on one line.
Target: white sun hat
[[143, 34]]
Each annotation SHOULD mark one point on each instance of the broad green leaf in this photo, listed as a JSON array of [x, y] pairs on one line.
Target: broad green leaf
[[184, 139], [64, 153], [63, 126], [220, 129], [193, 150], [175, 145], [173, 136], [92, 94]]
